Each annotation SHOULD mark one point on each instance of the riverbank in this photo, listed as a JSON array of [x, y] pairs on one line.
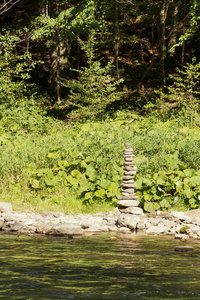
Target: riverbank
[[182, 225]]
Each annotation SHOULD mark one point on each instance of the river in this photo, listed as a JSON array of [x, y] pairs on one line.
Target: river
[[96, 267]]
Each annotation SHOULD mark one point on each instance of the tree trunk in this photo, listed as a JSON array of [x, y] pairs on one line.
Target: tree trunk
[[46, 8], [183, 45], [116, 42], [56, 55], [173, 36], [163, 49]]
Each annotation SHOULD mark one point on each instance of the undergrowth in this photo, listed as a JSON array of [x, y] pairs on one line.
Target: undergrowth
[[78, 168]]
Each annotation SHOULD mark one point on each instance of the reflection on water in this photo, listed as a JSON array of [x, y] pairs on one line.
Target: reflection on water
[[97, 268]]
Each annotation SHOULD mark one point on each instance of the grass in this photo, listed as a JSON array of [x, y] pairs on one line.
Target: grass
[[78, 168]]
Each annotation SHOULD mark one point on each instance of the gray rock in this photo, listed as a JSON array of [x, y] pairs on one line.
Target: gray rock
[[130, 181], [157, 229], [128, 191], [12, 226], [1, 224], [5, 207], [127, 158], [112, 228], [128, 151], [124, 230], [94, 228], [131, 210], [183, 248], [128, 220], [129, 173], [181, 216], [128, 185], [9, 217], [142, 224], [126, 194], [128, 203], [181, 236], [127, 177], [128, 163], [128, 197], [65, 230]]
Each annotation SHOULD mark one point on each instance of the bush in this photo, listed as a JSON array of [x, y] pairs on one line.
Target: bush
[[94, 89]]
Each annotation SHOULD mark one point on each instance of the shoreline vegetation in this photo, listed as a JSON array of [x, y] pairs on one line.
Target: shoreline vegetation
[[78, 167]]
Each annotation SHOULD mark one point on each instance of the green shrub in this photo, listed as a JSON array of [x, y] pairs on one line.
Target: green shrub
[[94, 89]]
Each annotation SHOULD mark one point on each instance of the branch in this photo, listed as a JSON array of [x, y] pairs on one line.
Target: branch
[[4, 8]]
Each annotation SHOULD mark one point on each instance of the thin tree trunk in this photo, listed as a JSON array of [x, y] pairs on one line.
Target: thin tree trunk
[[46, 8], [117, 42], [173, 36], [183, 45], [163, 49]]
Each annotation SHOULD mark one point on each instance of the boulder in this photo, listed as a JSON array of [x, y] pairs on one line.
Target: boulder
[[65, 230], [128, 220], [131, 210]]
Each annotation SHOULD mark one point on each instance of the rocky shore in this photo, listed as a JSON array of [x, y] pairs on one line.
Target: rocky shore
[[182, 225]]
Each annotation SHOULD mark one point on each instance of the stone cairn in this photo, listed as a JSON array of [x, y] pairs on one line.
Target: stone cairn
[[128, 201]]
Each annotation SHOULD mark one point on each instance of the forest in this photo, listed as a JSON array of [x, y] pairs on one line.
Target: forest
[[79, 79]]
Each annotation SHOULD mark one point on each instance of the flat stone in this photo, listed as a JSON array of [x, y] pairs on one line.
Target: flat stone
[[128, 185], [127, 177], [128, 149], [129, 169], [128, 197], [128, 181], [128, 158], [183, 248], [129, 163], [126, 194], [131, 210], [129, 173], [65, 230], [95, 228], [128, 203], [128, 155], [156, 230], [128, 191]]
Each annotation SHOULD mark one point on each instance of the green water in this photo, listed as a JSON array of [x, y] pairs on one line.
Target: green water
[[97, 268]]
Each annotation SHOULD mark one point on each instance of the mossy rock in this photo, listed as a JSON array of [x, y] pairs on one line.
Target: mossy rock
[[184, 229]]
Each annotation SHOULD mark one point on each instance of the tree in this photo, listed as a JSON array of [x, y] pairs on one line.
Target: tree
[[94, 90], [14, 69]]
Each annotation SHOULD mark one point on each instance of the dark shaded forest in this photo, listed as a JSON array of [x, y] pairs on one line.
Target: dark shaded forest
[[56, 50]]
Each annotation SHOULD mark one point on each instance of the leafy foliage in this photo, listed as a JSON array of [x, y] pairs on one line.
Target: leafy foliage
[[79, 168], [14, 69], [180, 98], [94, 89]]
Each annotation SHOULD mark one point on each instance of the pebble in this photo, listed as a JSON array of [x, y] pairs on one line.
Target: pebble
[[183, 248]]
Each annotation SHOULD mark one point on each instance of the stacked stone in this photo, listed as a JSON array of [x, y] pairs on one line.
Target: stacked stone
[[128, 201]]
